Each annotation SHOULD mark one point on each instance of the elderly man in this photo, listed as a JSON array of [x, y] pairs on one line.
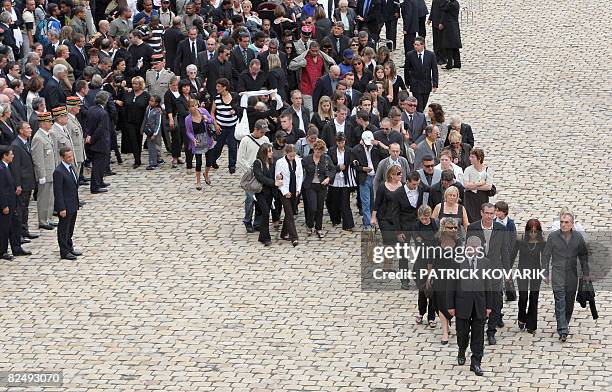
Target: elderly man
[[59, 133], [45, 158], [99, 127], [38, 106], [252, 79], [394, 158], [75, 130], [430, 146], [564, 248], [325, 86], [53, 93]]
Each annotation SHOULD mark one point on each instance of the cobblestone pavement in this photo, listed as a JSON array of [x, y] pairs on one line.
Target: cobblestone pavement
[[173, 295]]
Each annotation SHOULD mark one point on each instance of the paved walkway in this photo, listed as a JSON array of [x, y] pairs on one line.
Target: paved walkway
[[173, 295]]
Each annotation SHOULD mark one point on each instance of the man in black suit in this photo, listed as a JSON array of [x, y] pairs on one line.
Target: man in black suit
[[187, 52], [171, 39], [9, 223], [299, 113], [98, 129], [18, 109], [339, 41], [326, 85], [206, 56], [22, 169], [494, 241], [78, 57], [219, 67], [468, 297], [352, 96], [241, 57], [368, 13], [421, 72], [66, 202], [53, 93], [272, 49]]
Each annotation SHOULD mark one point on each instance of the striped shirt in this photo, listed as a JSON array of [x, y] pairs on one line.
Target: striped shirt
[[223, 113]]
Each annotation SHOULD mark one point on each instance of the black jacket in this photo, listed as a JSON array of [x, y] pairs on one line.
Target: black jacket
[[99, 128], [405, 215], [468, 295], [348, 158], [436, 193], [184, 55], [238, 64], [54, 94], [77, 60], [296, 119], [265, 175], [325, 169], [214, 71], [360, 161], [7, 189], [65, 190], [498, 250], [171, 39], [467, 136], [421, 77], [22, 166], [586, 293]]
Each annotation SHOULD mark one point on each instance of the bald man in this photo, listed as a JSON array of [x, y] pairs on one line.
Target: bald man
[[325, 86]]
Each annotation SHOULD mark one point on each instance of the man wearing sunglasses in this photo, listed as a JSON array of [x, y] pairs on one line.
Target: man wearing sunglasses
[[431, 146]]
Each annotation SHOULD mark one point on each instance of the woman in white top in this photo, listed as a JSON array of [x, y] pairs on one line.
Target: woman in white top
[[477, 181], [446, 163], [289, 169], [33, 87], [339, 195]]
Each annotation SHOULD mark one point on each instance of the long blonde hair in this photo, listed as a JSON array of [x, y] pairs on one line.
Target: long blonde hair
[[330, 113]]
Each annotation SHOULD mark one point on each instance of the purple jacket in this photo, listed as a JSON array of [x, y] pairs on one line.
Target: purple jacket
[[189, 127]]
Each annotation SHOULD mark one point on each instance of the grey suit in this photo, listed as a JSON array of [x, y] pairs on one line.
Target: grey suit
[[383, 166], [423, 150], [434, 179], [416, 127], [45, 158]]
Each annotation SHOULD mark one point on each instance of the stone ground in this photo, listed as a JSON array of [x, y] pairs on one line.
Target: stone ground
[[173, 295]]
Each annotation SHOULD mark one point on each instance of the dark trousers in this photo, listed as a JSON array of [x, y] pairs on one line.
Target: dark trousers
[[277, 205], [65, 230], [226, 137], [408, 44], [198, 159], [422, 29], [422, 99], [176, 142], [114, 144], [529, 292], [135, 140], [15, 229], [497, 299], [290, 207], [5, 230], [372, 27], [453, 58], [314, 197], [391, 35], [166, 137], [426, 306], [98, 168], [339, 207], [438, 46], [264, 201], [186, 149], [23, 203], [476, 327]]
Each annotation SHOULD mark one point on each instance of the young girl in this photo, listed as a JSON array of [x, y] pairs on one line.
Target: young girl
[[380, 77], [151, 128]]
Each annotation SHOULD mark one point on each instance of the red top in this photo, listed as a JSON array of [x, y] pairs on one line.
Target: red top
[[311, 73]]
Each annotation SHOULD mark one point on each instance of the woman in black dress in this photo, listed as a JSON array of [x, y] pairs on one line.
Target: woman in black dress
[[443, 260], [424, 234], [292, 78], [263, 170], [362, 75], [383, 210], [529, 250], [324, 115], [136, 102], [115, 87]]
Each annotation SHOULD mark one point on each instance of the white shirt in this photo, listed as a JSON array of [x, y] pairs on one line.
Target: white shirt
[[301, 124], [413, 195], [339, 179], [502, 221], [368, 151], [457, 171], [5, 164], [339, 127], [487, 235]]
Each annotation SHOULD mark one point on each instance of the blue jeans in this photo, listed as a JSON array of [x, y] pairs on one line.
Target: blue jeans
[[564, 307], [366, 192], [226, 137], [249, 206]]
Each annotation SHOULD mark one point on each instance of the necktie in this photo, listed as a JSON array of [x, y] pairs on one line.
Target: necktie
[[410, 121], [246, 58], [433, 149], [210, 56], [73, 173], [193, 49], [338, 45], [157, 76], [421, 58]]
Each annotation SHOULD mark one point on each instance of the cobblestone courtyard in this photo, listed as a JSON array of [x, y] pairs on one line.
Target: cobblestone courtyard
[[173, 295]]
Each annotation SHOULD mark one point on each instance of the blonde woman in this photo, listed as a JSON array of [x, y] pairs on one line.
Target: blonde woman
[[325, 113], [276, 76], [451, 209]]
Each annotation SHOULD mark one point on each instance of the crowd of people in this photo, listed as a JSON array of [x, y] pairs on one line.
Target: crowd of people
[[305, 96]]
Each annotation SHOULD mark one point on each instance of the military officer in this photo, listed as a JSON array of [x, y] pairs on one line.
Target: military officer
[[45, 158], [157, 81], [59, 132], [75, 130]]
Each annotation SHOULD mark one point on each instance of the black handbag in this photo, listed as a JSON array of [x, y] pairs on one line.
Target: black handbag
[[493, 191]]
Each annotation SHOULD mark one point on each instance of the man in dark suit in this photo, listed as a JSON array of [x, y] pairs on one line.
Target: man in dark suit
[[98, 129], [187, 51], [171, 39], [9, 223], [22, 169], [326, 85], [205, 56], [493, 238], [390, 16], [18, 109], [299, 113], [53, 93], [272, 49], [421, 72], [468, 297], [241, 57], [219, 67], [414, 122], [78, 57], [410, 22], [368, 13], [339, 41], [66, 202]]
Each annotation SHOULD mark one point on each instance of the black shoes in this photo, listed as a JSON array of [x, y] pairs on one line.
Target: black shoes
[[105, 185], [476, 369], [53, 224], [22, 252], [500, 323], [25, 240], [6, 256], [76, 252], [69, 256], [232, 170], [491, 339], [249, 228], [135, 166], [267, 243], [563, 337], [101, 190], [521, 325], [214, 166], [46, 227], [31, 236], [109, 173], [461, 359]]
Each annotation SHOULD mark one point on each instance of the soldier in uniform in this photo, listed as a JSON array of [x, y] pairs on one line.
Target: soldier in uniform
[[76, 133], [59, 132], [45, 158], [157, 81]]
